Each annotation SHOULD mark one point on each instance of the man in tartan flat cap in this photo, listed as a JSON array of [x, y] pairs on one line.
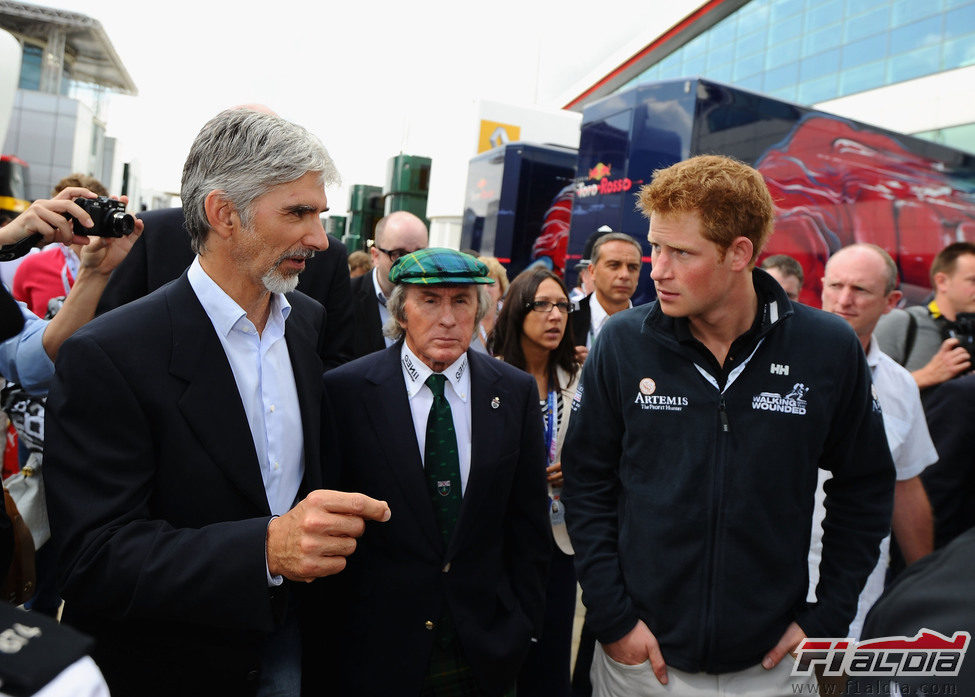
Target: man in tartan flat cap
[[446, 597]]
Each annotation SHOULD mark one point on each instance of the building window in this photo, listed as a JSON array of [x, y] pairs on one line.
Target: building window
[[30, 67], [817, 50]]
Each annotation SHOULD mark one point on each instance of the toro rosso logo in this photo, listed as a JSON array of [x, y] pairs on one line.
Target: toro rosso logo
[[601, 173], [928, 653]]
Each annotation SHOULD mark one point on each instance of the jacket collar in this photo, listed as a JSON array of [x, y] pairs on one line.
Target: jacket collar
[[774, 307]]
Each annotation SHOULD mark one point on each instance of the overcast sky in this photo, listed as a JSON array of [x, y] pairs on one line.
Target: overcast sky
[[371, 79]]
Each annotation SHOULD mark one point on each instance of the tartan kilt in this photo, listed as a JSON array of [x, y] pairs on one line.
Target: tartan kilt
[[449, 674]]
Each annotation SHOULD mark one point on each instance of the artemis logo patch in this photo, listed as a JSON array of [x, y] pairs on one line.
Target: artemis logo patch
[[792, 403], [648, 401], [928, 653]]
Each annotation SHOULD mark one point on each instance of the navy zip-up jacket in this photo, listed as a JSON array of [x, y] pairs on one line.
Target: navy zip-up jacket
[[689, 489]]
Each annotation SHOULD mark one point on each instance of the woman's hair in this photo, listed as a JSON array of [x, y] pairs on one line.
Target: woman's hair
[[497, 271], [505, 340]]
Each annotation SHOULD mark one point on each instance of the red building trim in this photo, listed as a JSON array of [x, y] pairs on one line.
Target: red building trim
[[642, 55]]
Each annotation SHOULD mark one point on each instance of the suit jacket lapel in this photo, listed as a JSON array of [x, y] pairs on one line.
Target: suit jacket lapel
[[306, 364], [211, 402], [392, 422]]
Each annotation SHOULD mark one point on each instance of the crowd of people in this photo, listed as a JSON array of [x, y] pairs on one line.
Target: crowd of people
[[394, 481]]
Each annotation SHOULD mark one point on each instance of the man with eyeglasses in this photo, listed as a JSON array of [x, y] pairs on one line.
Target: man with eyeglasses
[[397, 235]]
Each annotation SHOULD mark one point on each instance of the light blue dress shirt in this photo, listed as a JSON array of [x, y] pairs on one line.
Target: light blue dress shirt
[[23, 359], [262, 369]]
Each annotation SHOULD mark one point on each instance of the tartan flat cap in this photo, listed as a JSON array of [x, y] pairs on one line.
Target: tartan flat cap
[[439, 266]]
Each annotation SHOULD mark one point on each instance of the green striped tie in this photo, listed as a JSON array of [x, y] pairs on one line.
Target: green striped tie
[[441, 462]]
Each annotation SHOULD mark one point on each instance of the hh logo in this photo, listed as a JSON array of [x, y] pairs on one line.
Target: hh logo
[[778, 369]]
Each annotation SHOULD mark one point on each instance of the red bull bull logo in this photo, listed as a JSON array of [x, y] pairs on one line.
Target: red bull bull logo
[[600, 171]]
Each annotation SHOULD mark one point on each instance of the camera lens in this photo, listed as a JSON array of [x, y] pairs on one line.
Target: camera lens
[[122, 224]]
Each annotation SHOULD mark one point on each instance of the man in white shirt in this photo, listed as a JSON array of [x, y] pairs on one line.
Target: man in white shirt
[[183, 470], [859, 286], [446, 596], [615, 272], [397, 234]]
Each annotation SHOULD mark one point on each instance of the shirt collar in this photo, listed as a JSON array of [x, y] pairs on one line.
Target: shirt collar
[[416, 372], [224, 313], [597, 313], [873, 353], [380, 295]]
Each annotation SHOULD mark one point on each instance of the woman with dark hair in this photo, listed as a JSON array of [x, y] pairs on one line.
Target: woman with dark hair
[[532, 333]]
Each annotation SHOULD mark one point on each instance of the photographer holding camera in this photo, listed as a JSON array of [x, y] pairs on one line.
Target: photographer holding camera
[[27, 357], [935, 343], [44, 281]]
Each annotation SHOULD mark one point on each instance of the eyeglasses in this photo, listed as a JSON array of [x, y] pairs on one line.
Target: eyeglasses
[[565, 307], [393, 254]]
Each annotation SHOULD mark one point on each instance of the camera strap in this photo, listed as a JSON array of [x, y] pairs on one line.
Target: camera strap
[[9, 252], [910, 338]]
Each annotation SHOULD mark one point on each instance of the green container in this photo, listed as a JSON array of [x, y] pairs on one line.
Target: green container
[[335, 225], [408, 174], [365, 210], [407, 185], [415, 204]]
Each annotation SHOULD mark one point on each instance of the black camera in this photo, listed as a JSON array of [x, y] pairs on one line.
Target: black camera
[[963, 329], [109, 217]]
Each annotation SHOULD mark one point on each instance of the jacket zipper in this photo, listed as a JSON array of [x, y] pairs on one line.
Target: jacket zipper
[[717, 491]]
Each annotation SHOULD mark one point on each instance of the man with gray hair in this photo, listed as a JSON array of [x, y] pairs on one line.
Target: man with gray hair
[[184, 472], [445, 597]]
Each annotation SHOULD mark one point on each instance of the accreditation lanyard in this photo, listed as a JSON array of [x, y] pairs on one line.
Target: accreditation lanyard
[[551, 420]]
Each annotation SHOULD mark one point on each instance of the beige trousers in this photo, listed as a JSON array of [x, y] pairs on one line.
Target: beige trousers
[[612, 679]]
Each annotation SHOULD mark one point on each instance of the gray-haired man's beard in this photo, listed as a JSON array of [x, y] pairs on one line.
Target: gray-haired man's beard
[[276, 281]]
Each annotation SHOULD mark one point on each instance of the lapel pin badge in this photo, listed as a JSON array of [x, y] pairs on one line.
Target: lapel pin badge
[[495, 403]]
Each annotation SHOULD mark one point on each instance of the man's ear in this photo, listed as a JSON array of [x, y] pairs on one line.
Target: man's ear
[[221, 214], [892, 300], [741, 251]]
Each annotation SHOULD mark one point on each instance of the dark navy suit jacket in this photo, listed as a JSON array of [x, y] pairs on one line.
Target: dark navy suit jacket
[[368, 325], [490, 577], [157, 505]]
